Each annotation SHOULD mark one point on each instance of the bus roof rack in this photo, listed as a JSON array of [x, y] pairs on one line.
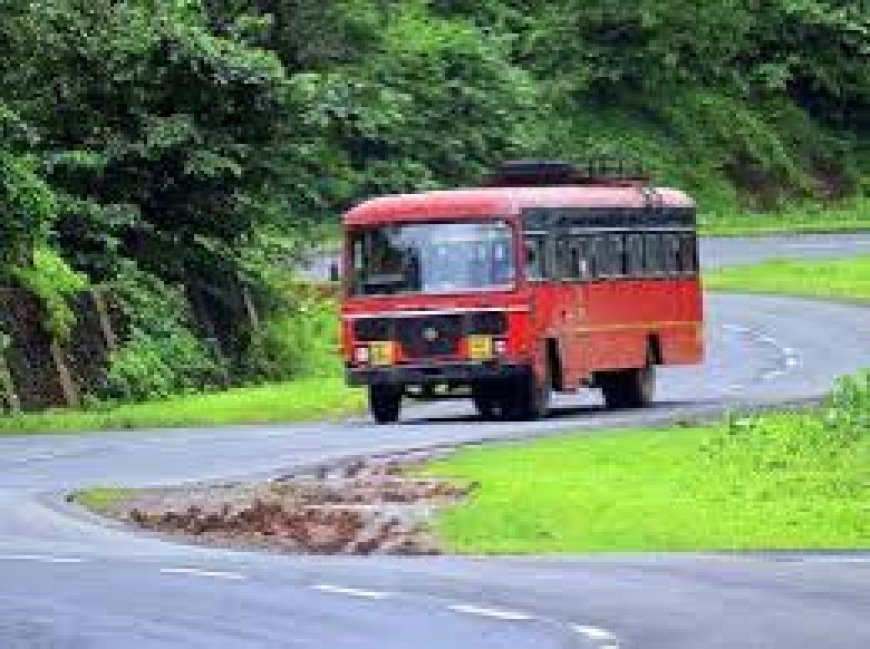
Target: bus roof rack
[[600, 170]]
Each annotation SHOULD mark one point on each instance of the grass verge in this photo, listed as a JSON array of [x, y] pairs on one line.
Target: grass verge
[[853, 215], [775, 481], [301, 400], [841, 278], [101, 500]]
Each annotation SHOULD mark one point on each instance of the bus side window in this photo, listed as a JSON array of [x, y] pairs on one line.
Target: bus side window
[[589, 258], [580, 266], [635, 264], [688, 254], [616, 250], [574, 271], [653, 254], [536, 254], [563, 259], [598, 254], [671, 253]]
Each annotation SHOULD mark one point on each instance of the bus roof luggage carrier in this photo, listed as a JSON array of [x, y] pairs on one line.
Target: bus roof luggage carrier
[[598, 171]]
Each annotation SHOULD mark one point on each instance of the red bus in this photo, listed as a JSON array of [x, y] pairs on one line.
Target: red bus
[[547, 279]]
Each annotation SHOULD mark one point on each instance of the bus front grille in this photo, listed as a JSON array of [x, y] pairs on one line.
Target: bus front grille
[[430, 336]]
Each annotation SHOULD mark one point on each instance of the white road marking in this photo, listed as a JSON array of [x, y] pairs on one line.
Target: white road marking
[[36, 457], [735, 387], [39, 558], [352, 592], [736, 328], [495, 613], [596, 634], [791, 356], [196, 572]]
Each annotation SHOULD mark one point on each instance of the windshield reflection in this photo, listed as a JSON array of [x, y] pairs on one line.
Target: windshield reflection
[[432, 258]]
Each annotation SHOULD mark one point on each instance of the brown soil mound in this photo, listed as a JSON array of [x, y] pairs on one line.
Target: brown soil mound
[[362, 508]]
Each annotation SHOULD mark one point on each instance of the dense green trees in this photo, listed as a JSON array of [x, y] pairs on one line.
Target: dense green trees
[[160, 138]]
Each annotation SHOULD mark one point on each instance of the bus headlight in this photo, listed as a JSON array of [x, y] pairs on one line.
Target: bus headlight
[[361, 355], [500, 347]]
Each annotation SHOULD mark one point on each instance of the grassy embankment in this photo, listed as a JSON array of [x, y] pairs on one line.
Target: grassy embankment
[[777, 481], [301, 400], [853, 215], [773, 481], [842, 278]]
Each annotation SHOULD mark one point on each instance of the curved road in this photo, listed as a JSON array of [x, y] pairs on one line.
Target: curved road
[[69, 580]]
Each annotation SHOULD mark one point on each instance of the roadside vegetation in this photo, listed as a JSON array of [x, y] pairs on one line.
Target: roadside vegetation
[[847, 216], [797, 480], [182, 156], [791, 480], [840, 278], [101, 500], [293, 401]]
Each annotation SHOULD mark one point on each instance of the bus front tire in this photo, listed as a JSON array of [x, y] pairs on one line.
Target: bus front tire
[[489, 400], [488, 408], [632, 388], [385, 403]]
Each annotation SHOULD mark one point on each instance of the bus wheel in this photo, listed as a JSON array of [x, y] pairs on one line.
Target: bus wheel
[[628, 388], [489, 401], [488, 408], [385, 403], [533, 400]]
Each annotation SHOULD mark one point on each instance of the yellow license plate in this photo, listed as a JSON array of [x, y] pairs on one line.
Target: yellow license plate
[[381, 353], [479, 347]]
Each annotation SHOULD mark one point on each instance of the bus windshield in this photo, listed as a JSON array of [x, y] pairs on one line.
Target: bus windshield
[[432, 258]]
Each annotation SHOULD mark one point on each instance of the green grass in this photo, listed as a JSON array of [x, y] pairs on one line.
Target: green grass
[[841, 278], [851, 216], [302, 400], [101, 500], [784, 481], [776, 481]]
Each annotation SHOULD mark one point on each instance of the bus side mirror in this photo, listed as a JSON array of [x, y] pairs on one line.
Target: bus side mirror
[[334, 275]]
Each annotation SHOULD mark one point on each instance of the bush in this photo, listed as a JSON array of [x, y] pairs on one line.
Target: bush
[[848, 408], [297, 340], [785, 442], [161, 355], [155, 367], [52, 280]]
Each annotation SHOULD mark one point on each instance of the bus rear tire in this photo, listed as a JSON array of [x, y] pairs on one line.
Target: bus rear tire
[[632, 388], [385, 403], [532, 399]]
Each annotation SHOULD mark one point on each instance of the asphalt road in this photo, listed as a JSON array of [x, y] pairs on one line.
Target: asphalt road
[[68, 580]]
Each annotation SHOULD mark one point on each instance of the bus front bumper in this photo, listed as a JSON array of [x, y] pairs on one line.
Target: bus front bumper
[[457, 373]]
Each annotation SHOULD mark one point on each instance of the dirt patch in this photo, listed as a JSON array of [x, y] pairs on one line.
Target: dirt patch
[[369, 507]]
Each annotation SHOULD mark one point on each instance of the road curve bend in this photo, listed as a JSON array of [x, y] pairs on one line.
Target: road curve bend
[[69, 580]]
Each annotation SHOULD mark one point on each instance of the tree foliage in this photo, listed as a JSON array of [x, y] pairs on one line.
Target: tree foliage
[[171, 136]]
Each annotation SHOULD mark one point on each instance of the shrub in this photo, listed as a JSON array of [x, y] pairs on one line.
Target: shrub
[[298, 340], [52, 280], [155, 367], [785, 441], [161, 355]]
